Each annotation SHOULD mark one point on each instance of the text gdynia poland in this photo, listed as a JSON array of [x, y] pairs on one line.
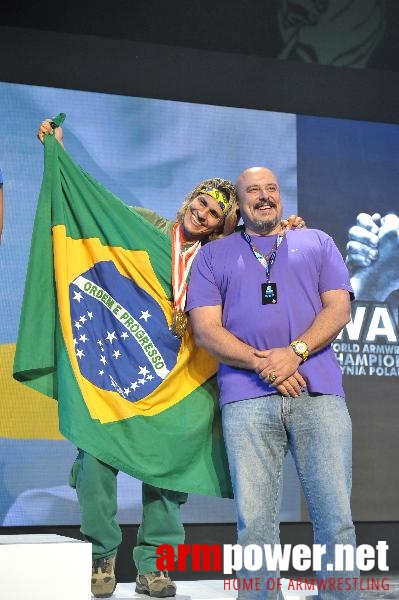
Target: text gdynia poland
[[277, 558]]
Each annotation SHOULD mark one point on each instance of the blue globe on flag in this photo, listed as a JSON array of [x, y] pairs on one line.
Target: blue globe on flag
[[121, 336]]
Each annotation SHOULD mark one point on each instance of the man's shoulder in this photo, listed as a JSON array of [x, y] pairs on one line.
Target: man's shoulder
[[308, 235], [221, 244], [222, 247]]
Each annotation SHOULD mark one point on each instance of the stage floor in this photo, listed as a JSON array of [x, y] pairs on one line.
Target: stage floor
[[200, 590]]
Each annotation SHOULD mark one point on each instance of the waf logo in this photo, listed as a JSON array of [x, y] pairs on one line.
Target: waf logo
[[121, 336]]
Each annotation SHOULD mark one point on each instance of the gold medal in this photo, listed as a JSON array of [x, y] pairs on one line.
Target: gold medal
[[179, 323], [181, 265]]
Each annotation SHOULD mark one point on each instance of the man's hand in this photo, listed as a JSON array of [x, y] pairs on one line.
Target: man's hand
[[46, 129], [277, 365], [292, 386]]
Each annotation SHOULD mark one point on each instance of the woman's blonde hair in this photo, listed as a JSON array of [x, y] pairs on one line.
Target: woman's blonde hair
[[232, 216]]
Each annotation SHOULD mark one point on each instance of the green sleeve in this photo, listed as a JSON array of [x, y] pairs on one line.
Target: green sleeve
[[161, 223]]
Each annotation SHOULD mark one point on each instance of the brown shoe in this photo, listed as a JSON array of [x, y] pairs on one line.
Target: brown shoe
[[156, 584], [103, 582]]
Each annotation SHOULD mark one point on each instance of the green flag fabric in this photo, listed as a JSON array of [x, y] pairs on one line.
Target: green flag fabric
[[94, 335]]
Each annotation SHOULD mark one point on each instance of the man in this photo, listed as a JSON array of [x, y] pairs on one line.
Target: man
[[267, 303], [208, 212]]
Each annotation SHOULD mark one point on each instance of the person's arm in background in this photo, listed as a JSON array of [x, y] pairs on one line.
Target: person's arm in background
[[362, 246], [1, 205], [372, 256]]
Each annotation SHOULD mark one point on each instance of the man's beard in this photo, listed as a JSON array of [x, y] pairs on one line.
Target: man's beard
[[264, 226]]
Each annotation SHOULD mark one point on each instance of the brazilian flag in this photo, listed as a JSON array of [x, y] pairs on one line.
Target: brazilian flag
[[94, 335]]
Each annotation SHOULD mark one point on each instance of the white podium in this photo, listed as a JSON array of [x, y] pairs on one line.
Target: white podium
[[44, 567]]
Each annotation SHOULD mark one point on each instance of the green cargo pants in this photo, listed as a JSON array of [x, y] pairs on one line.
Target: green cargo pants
[[95, 483]]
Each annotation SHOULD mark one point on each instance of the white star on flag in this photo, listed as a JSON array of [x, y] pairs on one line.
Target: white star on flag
[[79, 353], [77, 296], [110, 336], [145, 315], [143, 371]]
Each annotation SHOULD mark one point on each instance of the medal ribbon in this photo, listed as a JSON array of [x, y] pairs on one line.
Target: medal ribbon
[[266, 261], [181, 265]]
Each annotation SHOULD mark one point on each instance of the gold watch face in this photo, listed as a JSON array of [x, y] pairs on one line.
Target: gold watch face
[[300, 347]]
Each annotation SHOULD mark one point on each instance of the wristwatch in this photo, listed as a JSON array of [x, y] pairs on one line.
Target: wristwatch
[[300, 348]]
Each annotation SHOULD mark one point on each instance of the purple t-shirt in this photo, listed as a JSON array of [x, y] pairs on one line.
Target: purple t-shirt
[[226, 272]]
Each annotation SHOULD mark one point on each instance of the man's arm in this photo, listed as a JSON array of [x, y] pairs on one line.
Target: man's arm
[[335, 314], [210, 334], [324, 329]]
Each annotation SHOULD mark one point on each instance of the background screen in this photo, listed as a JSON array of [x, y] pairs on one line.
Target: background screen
[[147, 152], [152, 153]]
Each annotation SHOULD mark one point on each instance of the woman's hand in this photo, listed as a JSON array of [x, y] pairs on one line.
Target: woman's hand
[[46, 129]]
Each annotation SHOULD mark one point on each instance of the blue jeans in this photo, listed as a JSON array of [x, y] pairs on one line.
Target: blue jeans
[[317, 430]]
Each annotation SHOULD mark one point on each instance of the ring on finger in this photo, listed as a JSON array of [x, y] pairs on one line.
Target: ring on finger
[[271, 378]]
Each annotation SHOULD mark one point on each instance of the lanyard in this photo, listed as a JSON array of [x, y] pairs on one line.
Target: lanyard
[[266, 260]]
